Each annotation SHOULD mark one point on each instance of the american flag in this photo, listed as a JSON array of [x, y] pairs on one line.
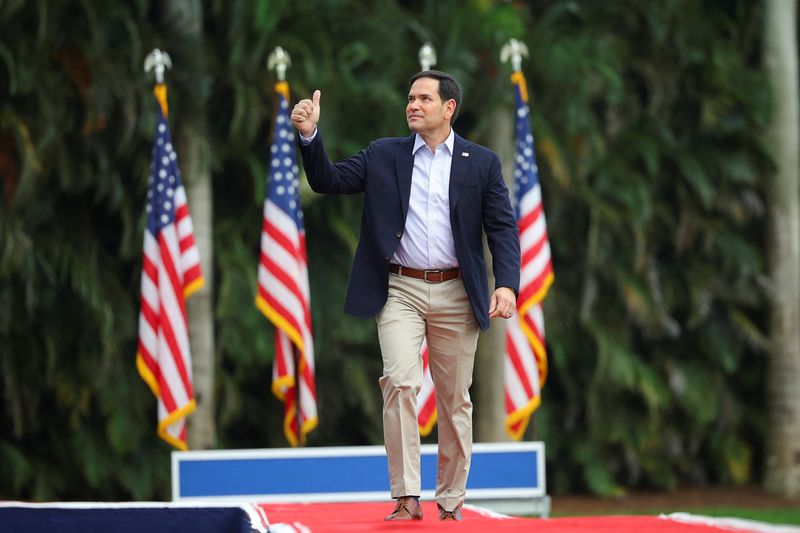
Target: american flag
[[283, 292], [170, 274], [526, 359], [426, 399]]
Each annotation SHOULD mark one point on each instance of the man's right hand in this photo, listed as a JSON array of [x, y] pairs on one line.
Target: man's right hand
[[305, 115]]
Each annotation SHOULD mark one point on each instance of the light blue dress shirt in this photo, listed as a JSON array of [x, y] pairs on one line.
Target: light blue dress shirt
[[427, 241]]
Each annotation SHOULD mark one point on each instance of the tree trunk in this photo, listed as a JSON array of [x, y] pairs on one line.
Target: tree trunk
[[185, 21], [489, 388], [782, 472], [200, 309]]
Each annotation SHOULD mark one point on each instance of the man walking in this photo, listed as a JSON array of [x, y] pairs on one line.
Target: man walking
[[419, 270]]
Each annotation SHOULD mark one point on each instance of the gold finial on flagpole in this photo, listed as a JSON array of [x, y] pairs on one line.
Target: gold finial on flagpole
[[514, 50], [427, 56], [159, 61], [279, 61]]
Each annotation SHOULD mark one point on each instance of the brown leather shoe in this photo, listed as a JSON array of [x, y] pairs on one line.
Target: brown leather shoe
[[455, 514], [408, 508]]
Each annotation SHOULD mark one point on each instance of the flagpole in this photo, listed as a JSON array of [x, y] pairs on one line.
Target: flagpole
[[279, 61], [513, 51], [158, 61], [427, 56]]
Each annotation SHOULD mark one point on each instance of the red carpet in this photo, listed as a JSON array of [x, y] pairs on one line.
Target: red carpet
[[338, 517]]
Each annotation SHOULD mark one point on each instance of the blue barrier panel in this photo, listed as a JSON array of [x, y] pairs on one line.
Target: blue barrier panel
[[506, 469], [233, 477], [498, 471]]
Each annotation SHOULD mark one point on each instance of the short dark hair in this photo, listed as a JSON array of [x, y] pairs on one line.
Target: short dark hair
[[448, 87]]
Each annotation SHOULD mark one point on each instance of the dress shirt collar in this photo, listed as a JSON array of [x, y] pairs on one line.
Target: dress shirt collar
[[419, 142]]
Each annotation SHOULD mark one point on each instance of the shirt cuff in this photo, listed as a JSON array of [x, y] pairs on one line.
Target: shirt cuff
[[307, 140]]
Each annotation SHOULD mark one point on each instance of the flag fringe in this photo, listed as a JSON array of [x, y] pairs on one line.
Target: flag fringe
[[281, 385], [539, 295], [160, 92], [427, 428], [279, 322], [174, 417], [193, 287], [147, 375], [540, 351], [521, 416], [518, 78]]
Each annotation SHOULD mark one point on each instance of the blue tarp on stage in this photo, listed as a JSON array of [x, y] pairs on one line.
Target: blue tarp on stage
[[31, 518]]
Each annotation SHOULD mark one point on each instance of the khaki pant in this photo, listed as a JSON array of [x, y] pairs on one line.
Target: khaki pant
[[441, 311]]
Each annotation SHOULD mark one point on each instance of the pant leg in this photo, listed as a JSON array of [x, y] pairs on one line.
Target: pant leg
[[401, 329], [452, 334]]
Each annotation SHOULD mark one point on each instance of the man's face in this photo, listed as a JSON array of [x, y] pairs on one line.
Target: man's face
[[425, 111]]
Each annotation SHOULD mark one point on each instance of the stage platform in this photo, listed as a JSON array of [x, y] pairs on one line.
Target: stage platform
[[321, 490], [159, 517]]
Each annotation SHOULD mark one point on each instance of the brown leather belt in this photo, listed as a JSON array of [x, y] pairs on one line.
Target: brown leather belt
[[431, 276]]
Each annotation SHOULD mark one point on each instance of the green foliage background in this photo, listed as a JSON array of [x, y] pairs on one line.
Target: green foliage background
[[647, 118]]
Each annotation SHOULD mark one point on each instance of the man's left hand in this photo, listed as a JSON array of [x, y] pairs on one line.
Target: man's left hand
[[503, 303]]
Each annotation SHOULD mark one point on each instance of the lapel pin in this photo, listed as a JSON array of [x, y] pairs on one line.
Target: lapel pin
[[464, 154]]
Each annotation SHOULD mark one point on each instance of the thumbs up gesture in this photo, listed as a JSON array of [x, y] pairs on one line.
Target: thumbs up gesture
[[305, 115]]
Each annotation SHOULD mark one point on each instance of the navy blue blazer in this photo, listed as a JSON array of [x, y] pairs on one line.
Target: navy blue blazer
[[479, 202]]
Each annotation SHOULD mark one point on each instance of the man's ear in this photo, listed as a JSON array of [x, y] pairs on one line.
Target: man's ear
[[450, 106]]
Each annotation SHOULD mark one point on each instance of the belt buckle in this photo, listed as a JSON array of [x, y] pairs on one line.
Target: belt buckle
[[439, 272]]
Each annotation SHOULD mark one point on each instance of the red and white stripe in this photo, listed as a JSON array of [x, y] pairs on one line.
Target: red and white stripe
[[526, 358], [525, 368], [536, 272], [170, 273], [426, 399], [283, 296]]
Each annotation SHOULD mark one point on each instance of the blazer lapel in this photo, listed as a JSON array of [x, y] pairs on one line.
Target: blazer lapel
[[404, 166], [458, 169]]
